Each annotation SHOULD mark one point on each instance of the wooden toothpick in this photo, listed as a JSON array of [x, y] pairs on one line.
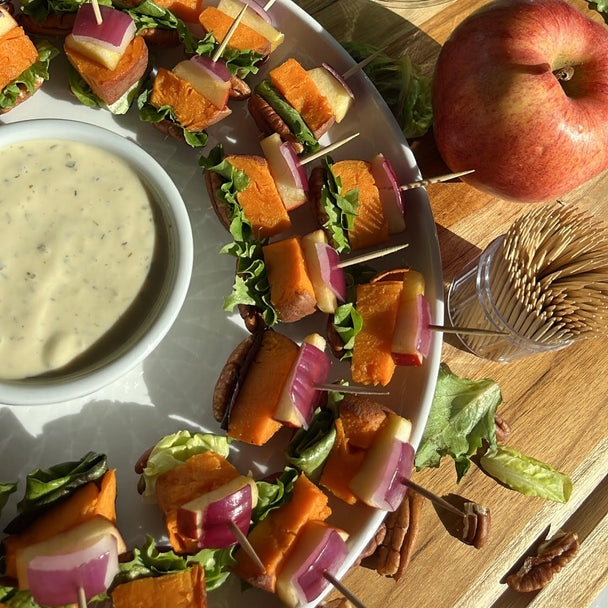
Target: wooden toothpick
[[347, 593], [365, 257], [269, 4], [245, 545], [327, 149], [441, 502], [474, 331], [434, 180], [99, 20], [82, 598], [361, 64], [353, 390], [229, 33]]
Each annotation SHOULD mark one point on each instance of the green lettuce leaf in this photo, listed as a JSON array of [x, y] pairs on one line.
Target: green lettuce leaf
[[6, 489], [309, 448], [271, 495], [13, 597], [85, 95], [340, 208], [347, 323], [44, 487], [149, 561], [176, 448], [526, 474], [150, 113], [407, 92], [292, 118], [460, 420], [28, 78], [39, 10], [250, 285]]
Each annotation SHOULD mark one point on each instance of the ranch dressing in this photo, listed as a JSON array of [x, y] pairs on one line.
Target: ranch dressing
[[76, 246]]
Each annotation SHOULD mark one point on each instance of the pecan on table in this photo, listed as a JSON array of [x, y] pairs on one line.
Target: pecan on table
[[538, 570], [394, 553], [503, 430], [477, 520]]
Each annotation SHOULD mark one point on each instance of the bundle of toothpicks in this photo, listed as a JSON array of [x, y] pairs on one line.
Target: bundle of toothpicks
[[549, 276]]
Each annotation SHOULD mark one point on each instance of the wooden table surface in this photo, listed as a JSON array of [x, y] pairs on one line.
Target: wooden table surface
[[554, 403]]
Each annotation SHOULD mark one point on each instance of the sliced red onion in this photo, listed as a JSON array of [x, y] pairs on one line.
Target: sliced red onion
[[339, 78], [423, 335], [319, 548], [287, 171], [391, 489], [390, 193], [215, 69], [293, 162], [208, 517], [389, 460], [54, 580], [300, 397], [258, 9], [115, 32], [331, 272]]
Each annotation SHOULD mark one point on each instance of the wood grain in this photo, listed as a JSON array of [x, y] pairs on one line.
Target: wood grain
[[555, 404]]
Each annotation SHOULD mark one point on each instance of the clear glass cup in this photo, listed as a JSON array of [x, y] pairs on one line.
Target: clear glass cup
[[472, 303]]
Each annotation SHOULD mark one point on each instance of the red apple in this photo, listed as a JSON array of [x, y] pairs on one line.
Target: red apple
[[520, 95]]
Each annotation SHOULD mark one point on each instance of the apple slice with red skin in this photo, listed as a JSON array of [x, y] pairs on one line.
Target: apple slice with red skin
[[412, 334], [86, 553], [326, 276], [390, 193], [388, 461], [318, 548], [210, 78], [300, 398], [207, 518], [287, 171]]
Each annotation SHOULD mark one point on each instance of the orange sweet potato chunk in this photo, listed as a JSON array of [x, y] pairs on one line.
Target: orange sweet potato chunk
[[291, 291], [377, 303], [341, 465], [196, 476], [261, 201], [300, 90], [251, 419], [370, 226], [186, 10], [185, 589], [244, 37], [111, 85], [273, 536], [87, 502], [17, 54], [193, 111]]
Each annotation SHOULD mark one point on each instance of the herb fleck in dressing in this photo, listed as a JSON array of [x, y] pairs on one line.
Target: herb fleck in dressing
[[77, 243]]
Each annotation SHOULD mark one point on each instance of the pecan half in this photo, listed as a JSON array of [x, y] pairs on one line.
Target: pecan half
[[477, 522], [503, 430], [239, 89], [537, 570], [395, 551], [213, 181], [269, 122]]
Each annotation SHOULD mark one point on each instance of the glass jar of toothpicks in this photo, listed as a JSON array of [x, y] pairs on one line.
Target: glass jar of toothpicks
[[535, 289]]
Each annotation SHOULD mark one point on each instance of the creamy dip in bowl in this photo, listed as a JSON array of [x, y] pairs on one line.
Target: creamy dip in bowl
[[95, 258]]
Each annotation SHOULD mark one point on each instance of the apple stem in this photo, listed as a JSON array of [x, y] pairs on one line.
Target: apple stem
[[224, 43], [564, 73]]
